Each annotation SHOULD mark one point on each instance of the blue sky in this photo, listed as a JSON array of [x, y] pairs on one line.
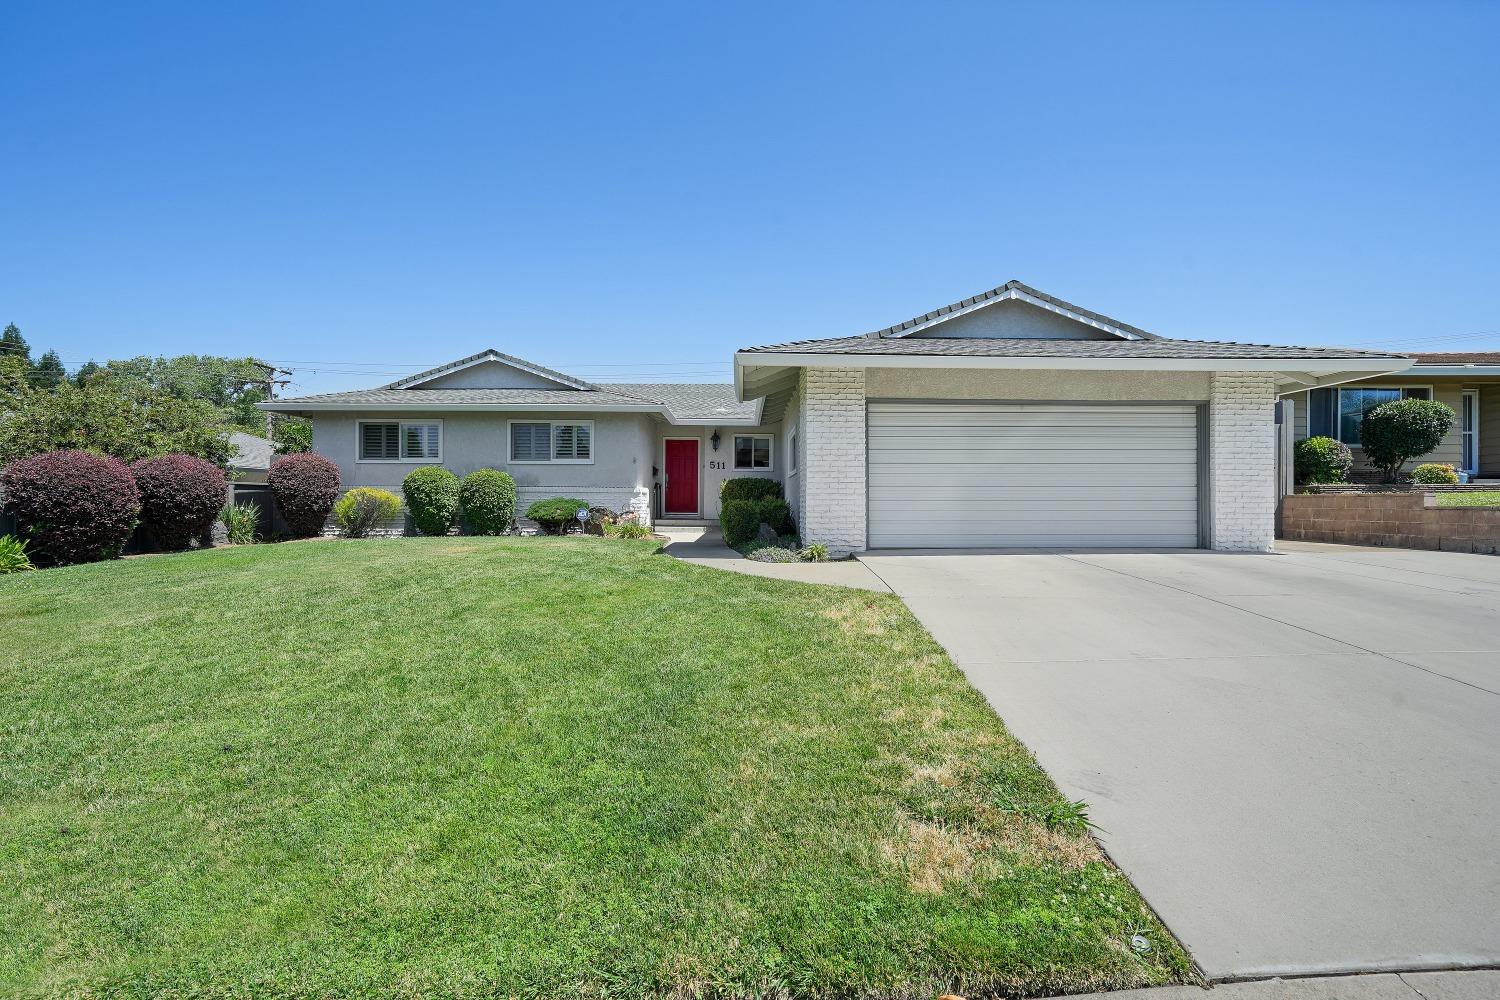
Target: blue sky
[[631, 191]]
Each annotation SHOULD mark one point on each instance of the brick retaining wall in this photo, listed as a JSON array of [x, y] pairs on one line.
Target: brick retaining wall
[[1401, 520]]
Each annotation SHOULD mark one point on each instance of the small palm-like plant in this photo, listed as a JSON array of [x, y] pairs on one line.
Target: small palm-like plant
[[240, 522], [13, 557]]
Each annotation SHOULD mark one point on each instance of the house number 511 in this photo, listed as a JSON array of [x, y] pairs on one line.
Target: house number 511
[[717, 465]]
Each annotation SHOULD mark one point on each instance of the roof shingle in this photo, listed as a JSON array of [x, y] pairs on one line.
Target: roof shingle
[[1032, 348]]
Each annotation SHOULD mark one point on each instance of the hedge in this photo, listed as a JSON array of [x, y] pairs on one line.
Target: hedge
[[305, 486], [181, 497], [71, 506], [487, 500], [556, 514], [748, 488], [1321, 460], [432, 499]]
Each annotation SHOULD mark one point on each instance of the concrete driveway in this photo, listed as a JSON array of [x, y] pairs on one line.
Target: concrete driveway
[[1296, 757]]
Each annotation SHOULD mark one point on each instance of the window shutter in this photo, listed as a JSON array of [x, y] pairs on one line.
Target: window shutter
[[421, 440], [582, 443], [530, 442], [571, 441], [379, 442]]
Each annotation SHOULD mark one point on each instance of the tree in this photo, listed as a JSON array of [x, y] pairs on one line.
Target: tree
[[290, 434], [1394, 433], [12, 343], [49, 372], [233, 385], [123, 417], [86, 371]]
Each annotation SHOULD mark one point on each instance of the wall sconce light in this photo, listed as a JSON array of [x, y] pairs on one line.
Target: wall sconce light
[[715, 440]]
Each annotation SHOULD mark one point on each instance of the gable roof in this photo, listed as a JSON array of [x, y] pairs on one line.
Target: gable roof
[[490, 354], [1014, 290], [1157, 348]]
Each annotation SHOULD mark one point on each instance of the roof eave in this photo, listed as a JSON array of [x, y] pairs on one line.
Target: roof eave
[[1467, 369], [777, 359], [307, 408]]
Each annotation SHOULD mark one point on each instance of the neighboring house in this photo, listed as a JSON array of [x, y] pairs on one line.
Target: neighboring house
[[1012, 418], [1467, 382], [658, 450], [251, 458]]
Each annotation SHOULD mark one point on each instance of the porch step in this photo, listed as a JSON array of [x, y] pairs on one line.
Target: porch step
[[686, 522]]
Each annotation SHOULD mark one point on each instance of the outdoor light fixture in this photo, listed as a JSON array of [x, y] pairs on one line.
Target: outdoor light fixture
[[715, 439]]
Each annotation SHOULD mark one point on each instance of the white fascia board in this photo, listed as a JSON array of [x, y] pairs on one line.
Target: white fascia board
[[1016, 293], [1366, 366], [1486, 370], [293, 406]]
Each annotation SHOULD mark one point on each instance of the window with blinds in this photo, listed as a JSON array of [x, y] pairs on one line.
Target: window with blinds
[[400, 441], [379, 442], [530, 442], [549, 441], [571, 442]]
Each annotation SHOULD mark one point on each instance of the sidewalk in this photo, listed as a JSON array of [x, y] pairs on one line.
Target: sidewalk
[[705, 547], [1481, 984]]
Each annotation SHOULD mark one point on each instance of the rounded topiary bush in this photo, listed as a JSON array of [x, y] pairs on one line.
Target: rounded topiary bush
[[487, 500], [557, 514], [181, 497], [1433, 474], [305, 486], [431, 499], [71, 506], [739, 520], [1321, 460], [1396, 432]]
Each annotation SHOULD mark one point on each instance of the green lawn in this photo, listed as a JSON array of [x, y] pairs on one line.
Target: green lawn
[[1469, 498], [518, 767]]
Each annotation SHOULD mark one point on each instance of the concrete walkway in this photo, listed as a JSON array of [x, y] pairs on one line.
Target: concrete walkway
[[1292, 756], [705, 547], [1479, 985]]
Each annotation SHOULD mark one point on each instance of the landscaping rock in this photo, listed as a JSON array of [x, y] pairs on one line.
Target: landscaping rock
[[767, 534]]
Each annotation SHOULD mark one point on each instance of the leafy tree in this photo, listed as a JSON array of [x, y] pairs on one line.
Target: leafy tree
[[123, 417], [233, 385], [290, 434], [49, 372], [86, 371], [12, 343], [1396, 432]]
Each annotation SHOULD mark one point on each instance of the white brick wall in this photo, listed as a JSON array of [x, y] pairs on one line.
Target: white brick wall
[[832, 437], [1242, 461]]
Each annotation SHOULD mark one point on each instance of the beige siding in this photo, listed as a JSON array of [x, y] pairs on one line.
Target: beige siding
[[1489, 430], [1448, 391]]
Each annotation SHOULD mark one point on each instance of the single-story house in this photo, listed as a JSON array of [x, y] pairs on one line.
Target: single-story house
[[1012, 418], [1467, 382]]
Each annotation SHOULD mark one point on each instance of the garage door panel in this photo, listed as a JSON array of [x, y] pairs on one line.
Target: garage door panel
[[1019, 474]]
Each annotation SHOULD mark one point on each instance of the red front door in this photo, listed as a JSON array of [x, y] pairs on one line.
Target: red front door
[[682, 477]]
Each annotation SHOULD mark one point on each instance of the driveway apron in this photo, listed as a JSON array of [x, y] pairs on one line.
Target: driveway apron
[[1296, 757]]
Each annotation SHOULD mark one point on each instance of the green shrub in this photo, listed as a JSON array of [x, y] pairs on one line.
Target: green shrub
[[739, 520], [431, 498], [487, 502], [748, 488], [13, 557], [775, 512], [1433, 474], [360, 510], [1321, 460], [627, 529], [1394, 433], [557, 514], [240, 522], [815, 552]]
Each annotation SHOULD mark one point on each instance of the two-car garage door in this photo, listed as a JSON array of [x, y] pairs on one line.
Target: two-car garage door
[[980, 474]]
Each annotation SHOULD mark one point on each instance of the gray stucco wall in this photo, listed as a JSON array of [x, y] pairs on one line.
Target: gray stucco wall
[[1011, 318], [491, 375], [623, 448], [960, 383]]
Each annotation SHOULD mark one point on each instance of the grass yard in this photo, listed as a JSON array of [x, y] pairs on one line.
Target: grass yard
[[519, 767], [1468, 498]]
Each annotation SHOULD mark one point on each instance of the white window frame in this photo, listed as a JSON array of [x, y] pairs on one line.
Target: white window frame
[[1338, 403], [401, 425], [791, 444], [1472, 433], [553, 425], [770, 465]]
